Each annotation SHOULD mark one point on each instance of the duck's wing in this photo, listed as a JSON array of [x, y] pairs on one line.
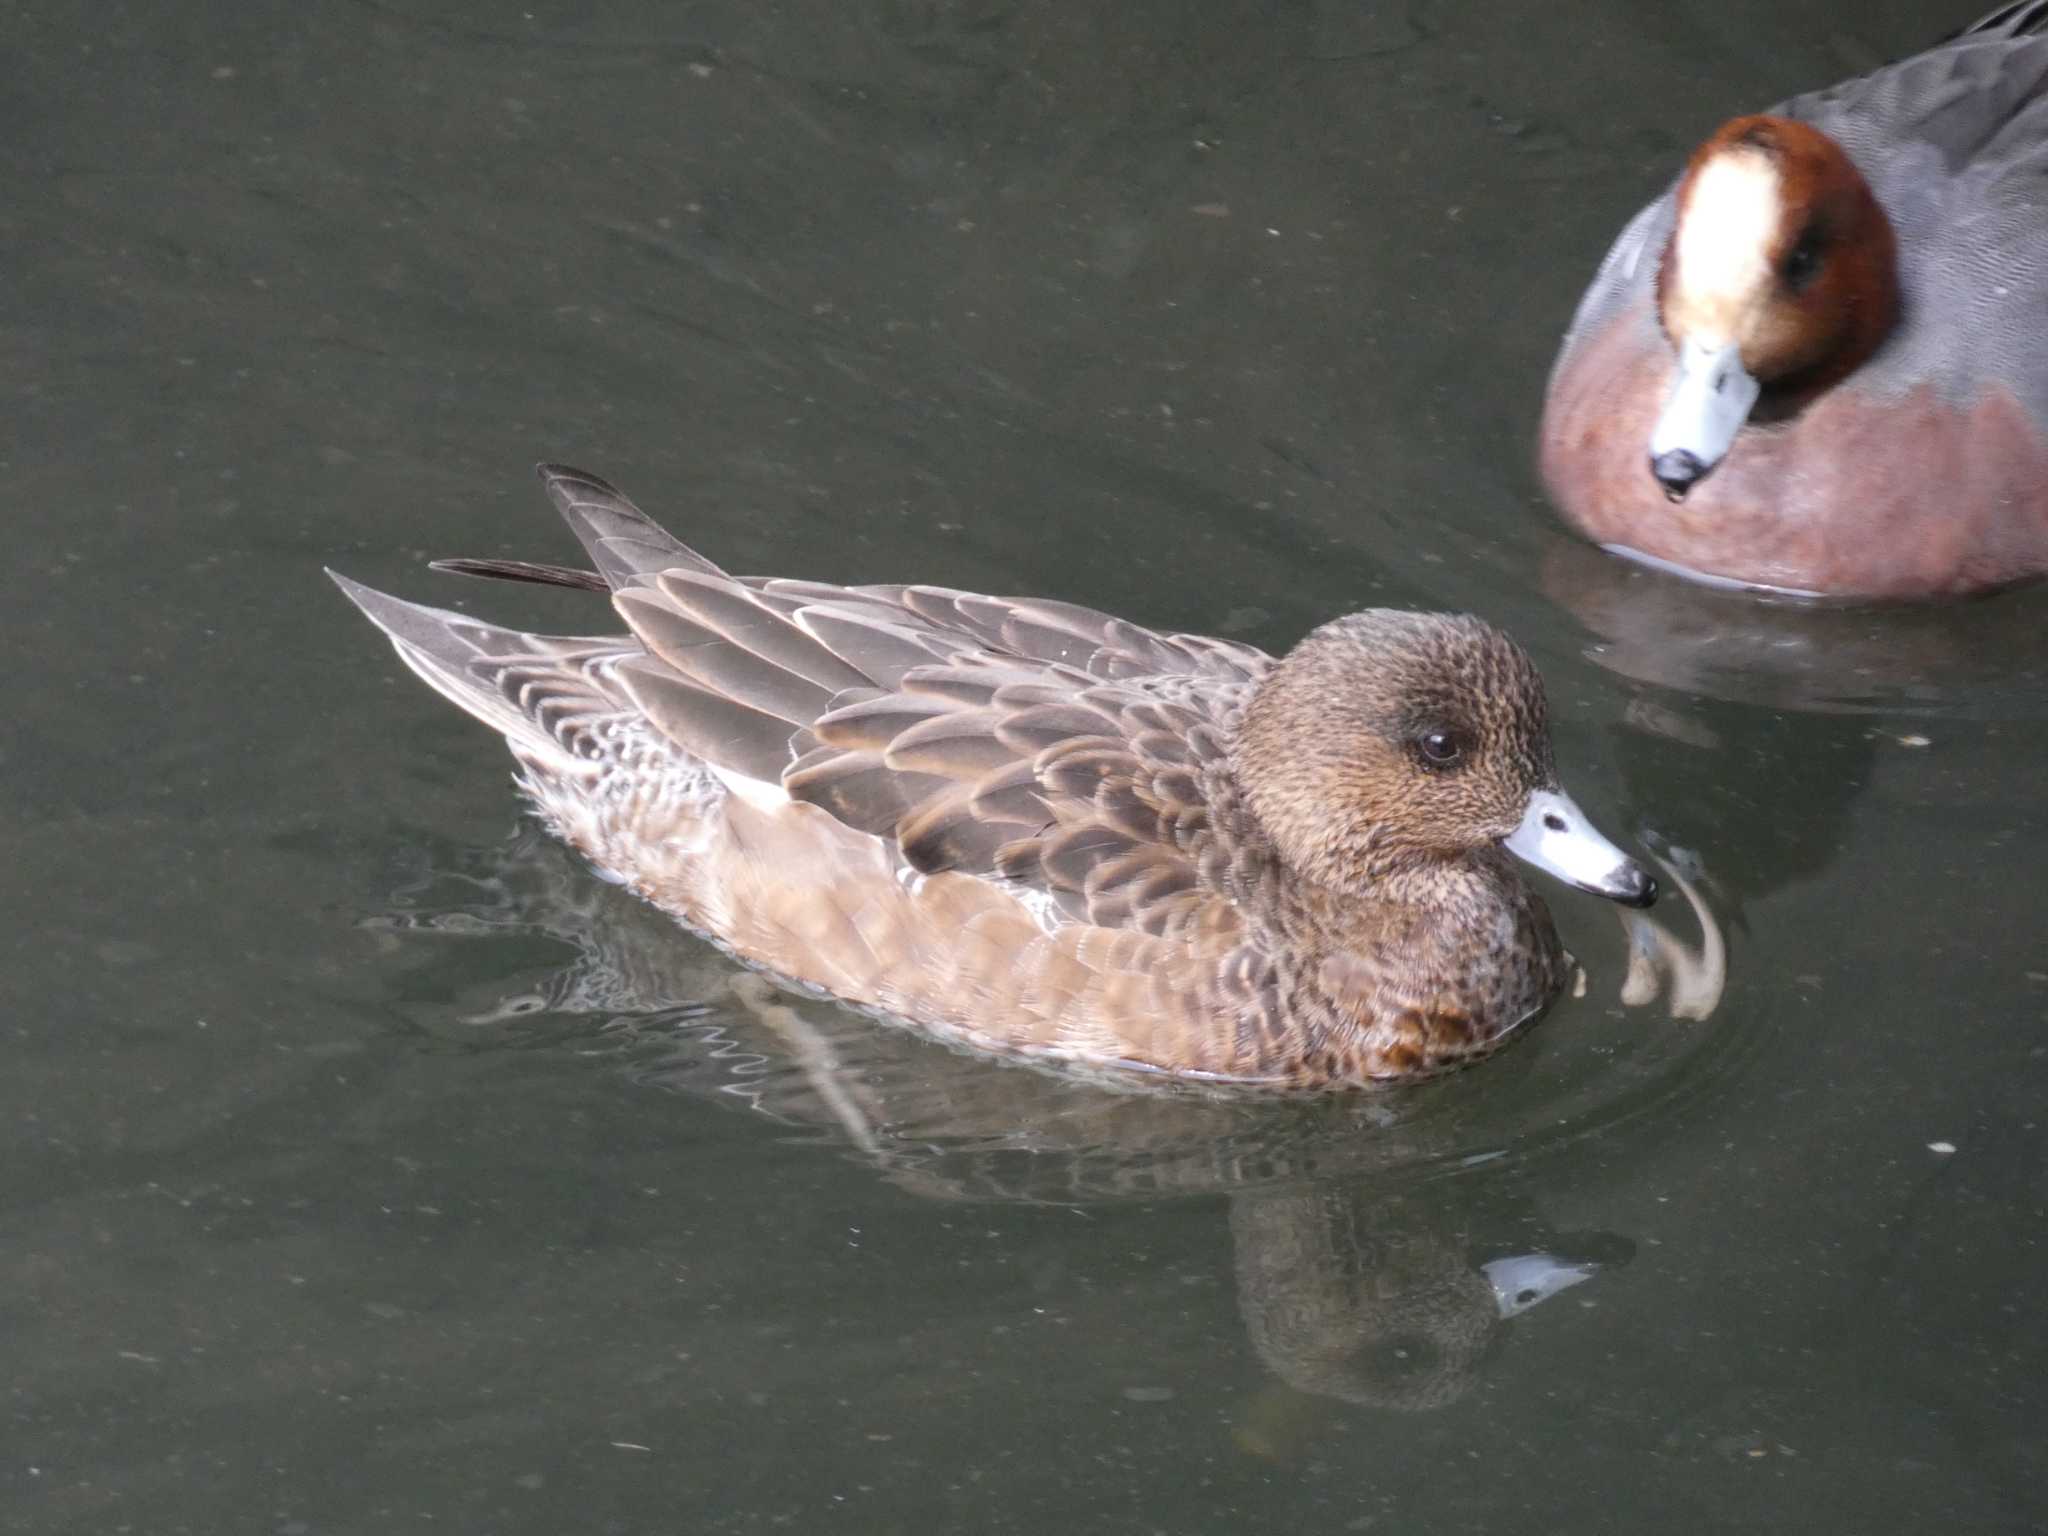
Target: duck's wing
[[1040, 743], [1099, 795], [1092, 790]]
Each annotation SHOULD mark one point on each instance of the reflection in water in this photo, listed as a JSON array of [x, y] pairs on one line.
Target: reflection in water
[[1349, 1293], [1745, 706], [1661, 964], [1984, 659], [1352, 1283]]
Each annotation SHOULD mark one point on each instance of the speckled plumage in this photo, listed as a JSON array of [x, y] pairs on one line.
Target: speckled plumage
[[1031, 827]]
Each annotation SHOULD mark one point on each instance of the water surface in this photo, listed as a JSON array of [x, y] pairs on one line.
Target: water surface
[[369, 1167]]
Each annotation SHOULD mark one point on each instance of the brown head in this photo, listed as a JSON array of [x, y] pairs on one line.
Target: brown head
[[1389, 741], [1781, 274]]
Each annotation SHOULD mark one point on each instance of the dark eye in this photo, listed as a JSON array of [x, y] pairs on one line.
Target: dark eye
[[1439, 749], [1802, 264]]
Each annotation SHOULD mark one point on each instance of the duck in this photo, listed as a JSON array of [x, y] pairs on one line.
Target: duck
[[1033, 829], [1814, 365]]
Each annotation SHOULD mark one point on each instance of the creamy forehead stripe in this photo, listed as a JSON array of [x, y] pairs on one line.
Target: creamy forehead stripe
[[1730, 220]]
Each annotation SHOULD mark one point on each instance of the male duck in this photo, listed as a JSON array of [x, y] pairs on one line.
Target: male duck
[[1817, 363], [1033, 828]]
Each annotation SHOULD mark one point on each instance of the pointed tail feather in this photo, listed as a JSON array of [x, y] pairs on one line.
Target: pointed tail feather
[[624, 543], [540, 692]]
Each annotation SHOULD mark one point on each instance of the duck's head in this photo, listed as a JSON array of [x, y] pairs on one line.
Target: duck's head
[[1389, 742], [1781, 274]]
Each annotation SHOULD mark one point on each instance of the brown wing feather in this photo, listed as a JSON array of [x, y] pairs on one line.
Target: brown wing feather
[[711, 725], [1079, 790], [961, 744], [720, 665], [727, 612]]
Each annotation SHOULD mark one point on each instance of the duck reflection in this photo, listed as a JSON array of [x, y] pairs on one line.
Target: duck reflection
[[1690, 639], [1387, 1292], [1755, 722], [1348, 1294]]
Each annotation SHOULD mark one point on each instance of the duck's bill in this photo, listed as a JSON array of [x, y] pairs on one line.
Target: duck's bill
[[1521, 1282], [1709, 404], [1556, 837]]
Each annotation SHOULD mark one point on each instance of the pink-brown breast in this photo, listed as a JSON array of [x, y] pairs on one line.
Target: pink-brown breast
[[1909, 497]]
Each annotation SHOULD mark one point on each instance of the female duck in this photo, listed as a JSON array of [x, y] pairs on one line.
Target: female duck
[[1033, 828], [1816, 363]]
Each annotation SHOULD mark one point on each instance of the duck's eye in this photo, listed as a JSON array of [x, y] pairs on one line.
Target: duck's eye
[[1440, 749], [1802, 263]]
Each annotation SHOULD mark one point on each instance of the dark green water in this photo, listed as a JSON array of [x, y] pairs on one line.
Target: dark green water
[[369, 1167]]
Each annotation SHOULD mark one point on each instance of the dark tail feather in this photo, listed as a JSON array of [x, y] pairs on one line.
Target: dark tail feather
[[525, 570]]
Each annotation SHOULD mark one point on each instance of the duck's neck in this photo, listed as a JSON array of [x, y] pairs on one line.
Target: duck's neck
[[1468, 883], [1466, 928]]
